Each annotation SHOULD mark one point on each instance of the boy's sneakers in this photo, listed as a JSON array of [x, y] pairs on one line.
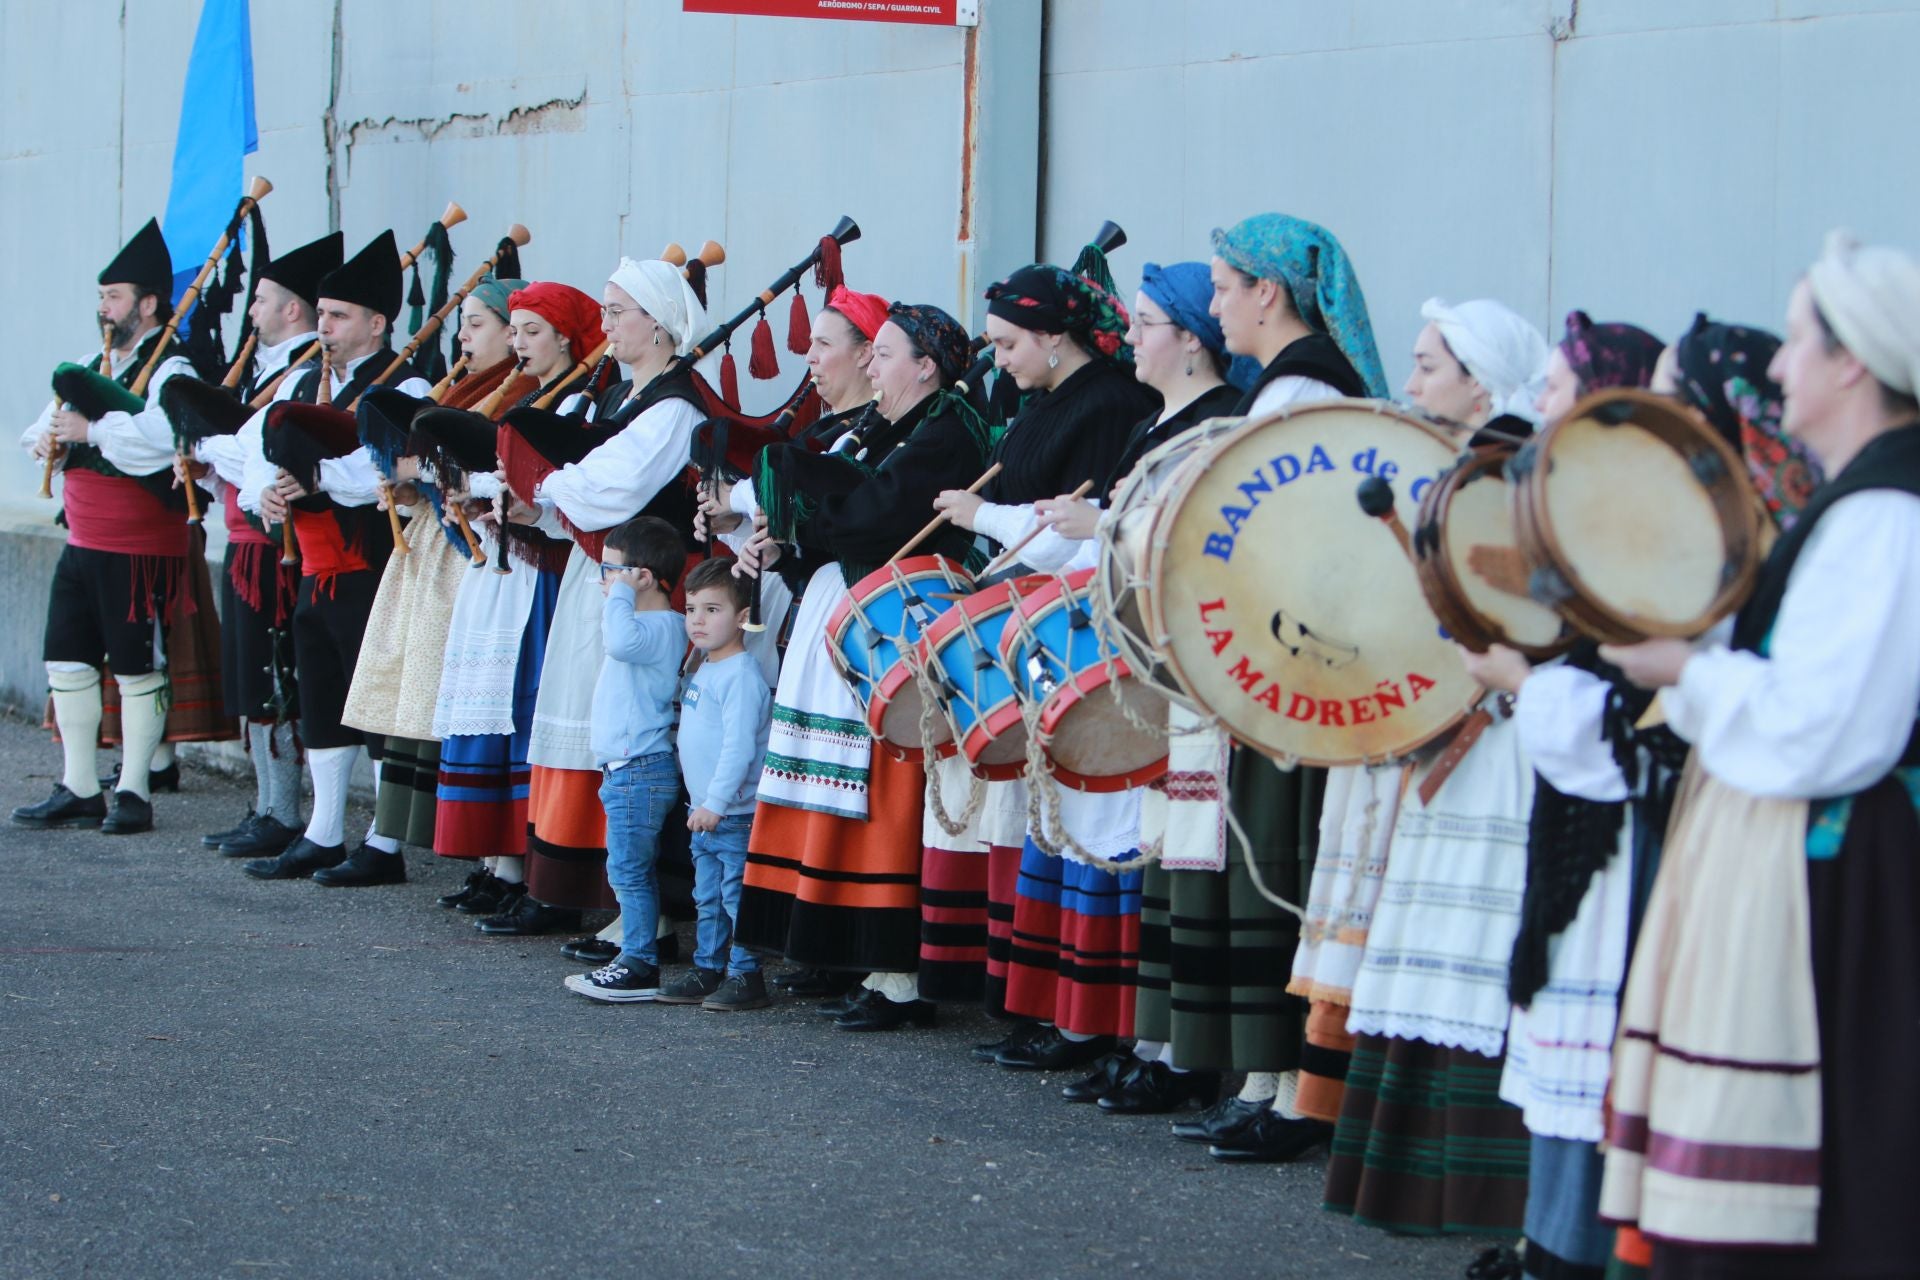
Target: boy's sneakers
[[691, 987], [741, 991], [617, 983]]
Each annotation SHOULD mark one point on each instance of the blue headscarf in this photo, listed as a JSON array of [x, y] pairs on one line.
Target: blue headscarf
[[1320, 281], [1184, 291]]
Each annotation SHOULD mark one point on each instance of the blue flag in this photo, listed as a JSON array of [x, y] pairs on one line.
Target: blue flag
[[217, 131]]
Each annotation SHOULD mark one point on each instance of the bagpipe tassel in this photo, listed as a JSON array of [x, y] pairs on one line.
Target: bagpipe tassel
[[763, 364]]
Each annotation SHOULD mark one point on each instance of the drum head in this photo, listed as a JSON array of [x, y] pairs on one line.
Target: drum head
[[1487, 567], [1291, 614]]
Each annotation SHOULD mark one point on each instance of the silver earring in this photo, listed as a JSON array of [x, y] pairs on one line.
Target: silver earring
[[656, 337], [1189, 366], [1053, 360], [921, 378]]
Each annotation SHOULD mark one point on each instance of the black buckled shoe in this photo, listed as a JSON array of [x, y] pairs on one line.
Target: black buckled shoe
[[1020, 1033], [882, 1014], [1272, 1139], [363, 868], [214, 839], [298, 861], [522, 916], [1108, 1074], [167, 779], [1157, 1088], [1222, 1120], [480, 885], [127, 815], [594, 951], [818, 984], [63, 809], [1051, 1051], [264, 837]]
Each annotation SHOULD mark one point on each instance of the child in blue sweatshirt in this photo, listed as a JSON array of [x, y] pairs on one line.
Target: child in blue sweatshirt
[[724, 717], [633, 707]]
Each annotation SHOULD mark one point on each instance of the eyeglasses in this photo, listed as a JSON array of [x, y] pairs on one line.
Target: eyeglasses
[[612, 314], [608, 569], [1145, 323]]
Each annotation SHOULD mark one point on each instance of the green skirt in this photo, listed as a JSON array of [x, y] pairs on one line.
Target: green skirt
[[1215, 955], [409, 780]]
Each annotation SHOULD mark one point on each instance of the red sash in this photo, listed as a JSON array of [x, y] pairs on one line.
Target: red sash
[[118, 514], [324, 553]]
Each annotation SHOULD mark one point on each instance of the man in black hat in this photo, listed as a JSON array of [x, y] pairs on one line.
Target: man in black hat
[[125, 563], [341, 558], [256, 599]]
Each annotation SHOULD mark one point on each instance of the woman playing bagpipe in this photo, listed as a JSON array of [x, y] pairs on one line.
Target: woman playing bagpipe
[[1057, 335], [498, 637], [396, 682]]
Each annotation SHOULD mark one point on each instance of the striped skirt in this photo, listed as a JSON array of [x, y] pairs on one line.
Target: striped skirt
[[403, 806], [1424, 1146], [567, 839], [1075, 945]]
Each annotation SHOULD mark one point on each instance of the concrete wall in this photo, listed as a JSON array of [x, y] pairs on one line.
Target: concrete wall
[[1639, 158]]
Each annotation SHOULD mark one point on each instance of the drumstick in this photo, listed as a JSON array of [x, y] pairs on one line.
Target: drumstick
[[1005, 558], [933, 525], [1376, 499]]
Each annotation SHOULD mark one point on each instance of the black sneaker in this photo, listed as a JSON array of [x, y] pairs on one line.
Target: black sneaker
[[740, 992], [691, 987], [617, 983], [63, 809], [214, 839], [128, 815]]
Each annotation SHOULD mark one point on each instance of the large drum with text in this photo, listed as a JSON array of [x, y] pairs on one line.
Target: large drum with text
[[1272, 601]]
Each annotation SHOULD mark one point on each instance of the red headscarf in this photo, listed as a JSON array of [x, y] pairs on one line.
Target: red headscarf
[[572, 313], [864, 311]]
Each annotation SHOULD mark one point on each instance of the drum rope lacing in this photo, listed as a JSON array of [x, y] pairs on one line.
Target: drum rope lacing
[[1107, 623], [937, 697]]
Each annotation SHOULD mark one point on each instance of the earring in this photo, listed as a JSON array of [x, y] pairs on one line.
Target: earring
[[1189, 365], [921, 378], [656, 335], [1053, 360]]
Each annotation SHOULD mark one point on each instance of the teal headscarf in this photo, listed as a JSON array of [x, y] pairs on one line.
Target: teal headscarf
[[495, 292], [1308, 259]]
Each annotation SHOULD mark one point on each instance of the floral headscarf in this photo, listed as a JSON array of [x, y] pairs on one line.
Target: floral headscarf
[[1048, 299], [936, 333], [1320, 281], [1723, 373], [1609, 355]]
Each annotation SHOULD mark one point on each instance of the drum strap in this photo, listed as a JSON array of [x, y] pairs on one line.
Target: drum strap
[[1456, 750]]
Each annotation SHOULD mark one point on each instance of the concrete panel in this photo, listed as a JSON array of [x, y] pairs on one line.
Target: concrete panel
[[60, 77], [1616, 17]]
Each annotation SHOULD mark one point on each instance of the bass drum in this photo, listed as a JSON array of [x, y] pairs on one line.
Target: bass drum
[[1280, 607]]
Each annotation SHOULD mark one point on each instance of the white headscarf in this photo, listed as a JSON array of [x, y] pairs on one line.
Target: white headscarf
[[1498, 348], [1870, 295], [664, 293]]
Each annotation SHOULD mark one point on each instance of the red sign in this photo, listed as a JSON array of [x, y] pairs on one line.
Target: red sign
[[936, 13]]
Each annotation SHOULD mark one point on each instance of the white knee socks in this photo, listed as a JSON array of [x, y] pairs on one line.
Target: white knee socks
[[509, 868], [331, 767], [141, 723], [76, 709], [901, 988], [1283, 1097]]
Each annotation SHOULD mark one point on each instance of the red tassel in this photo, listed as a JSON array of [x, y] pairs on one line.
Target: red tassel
[[729, 380], [763, 364], [826, 272], [799, 326]]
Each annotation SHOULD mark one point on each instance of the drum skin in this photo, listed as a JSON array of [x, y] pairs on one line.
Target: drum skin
[[1282, 608], [873, 643], [1637, 518], [1471, 566], [1058, 659], [986, 716]]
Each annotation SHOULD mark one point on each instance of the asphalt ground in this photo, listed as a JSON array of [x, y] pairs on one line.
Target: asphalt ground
[[202, 1075]]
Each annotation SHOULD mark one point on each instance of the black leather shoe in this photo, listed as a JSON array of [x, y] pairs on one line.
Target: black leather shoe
[[1108, 1074], [882, 1014], [300, 859], [1221, 1120], [1272, 1139], [818, 984], [1051, 1051], [478, 881], [364, 867], [667, 947], [127, 815], [593, 951], [523, 917], [63, 809], [263, 838], [1019, 1035], [1157, 1088], [214, 839], [841, 1006], [167, 779]]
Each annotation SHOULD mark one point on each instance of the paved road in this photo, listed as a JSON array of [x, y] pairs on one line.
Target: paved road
[[202, 1075]]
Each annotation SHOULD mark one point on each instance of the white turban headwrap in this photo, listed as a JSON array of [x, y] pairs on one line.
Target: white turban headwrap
[[664, 293], [1497, 347], [1870, 295]]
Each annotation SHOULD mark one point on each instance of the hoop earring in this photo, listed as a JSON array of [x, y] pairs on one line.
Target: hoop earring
[[1053, 360]]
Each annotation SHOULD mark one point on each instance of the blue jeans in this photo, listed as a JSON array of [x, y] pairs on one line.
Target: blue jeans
[[719, 865], [638, 798]]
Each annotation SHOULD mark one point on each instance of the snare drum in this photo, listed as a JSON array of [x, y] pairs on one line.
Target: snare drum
[[871, 636], [1284, 610], [1059, 660], [1637, 518], [1471, 566], [962, 646]]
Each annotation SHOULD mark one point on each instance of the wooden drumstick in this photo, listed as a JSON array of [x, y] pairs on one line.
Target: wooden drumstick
[[1376, 499], [933, 526], [1006, 557]]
